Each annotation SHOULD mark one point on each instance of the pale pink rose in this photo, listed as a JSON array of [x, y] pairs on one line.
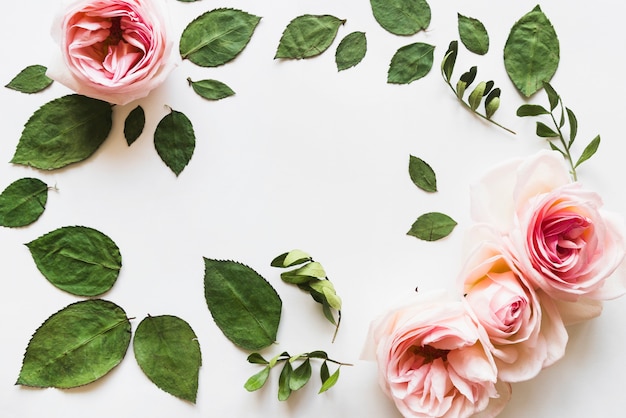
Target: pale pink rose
[[526, 332], [112, 50], [433, 361], [562, 240]]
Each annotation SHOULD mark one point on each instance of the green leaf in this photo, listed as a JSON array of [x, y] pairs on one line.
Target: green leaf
[[304, 274], [243, 304], [553, 96], [422, 175], [76, 346], [168, 352], [410, 62], [307, 36], [573, 126], [31, 79], [476, 96], [134, 124], [300, 375], [531, 52], [544, 131], [473, 34], [23, 202], [79, 260], [330, 381], [589, 150], [326, 288], [401, 17], [492, 102], [351, 50], [256, 358], [324, 373], [217, 36], [466, 79], [317, 354], [64, 131], [447, 64], [290, 259], [432, 226], [175, 141], [256, 381], [211, 89], [284, 389], [531, 110]]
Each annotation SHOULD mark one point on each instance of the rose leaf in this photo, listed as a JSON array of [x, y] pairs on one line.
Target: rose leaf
[[23, 202], [473, 34], [211, 89], [432, 226], [134, 124], [422, 175], [401, 17], [351, 50], [175, 141], [410, 63], [307, 36], [31, 79]]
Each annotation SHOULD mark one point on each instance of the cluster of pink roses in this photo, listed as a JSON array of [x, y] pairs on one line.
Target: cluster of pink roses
[[542, 255]]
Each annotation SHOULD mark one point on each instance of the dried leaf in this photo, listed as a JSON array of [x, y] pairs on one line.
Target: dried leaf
[[23, 202], [351, 50], [401, 17], [307, 36], [175, 141], [31, 79], [422, 174], [211, 89], [134, 124], [432, 226], [473, 34]]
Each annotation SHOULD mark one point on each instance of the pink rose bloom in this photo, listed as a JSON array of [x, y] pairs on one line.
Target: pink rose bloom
[[561, 239], [433, 361], [524, 326], [112, 50]]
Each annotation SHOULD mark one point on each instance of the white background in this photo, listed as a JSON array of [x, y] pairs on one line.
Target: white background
[[304, 157]]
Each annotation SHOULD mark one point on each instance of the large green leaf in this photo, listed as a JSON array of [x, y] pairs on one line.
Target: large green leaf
[[23, 202], [31, 79], [77, 259], [217, 36], [77, 345], [351, 50], [401, 17], [531, 52], [64, 131], [167, 350], [432, 226], [175, 141], [410, 63], [473, 34], [243, 304], [307, 36]]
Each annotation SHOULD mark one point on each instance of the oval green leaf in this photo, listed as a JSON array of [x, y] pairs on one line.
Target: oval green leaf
[[76, 346], [307, 36], [290, 259], [432, 226], [256, 381], [243, 304], [531, 52], [64, 131], [300, 375], [77, 259], [330, 381], [589, 150], [210, 89], [23, 202], [134, 124], [175, 141], [410, 63], [531, 110], [422, 174], [401, 17], [351, 50], [284, 389], [167, 350], [31, 79], [217, 36], [473, 34]]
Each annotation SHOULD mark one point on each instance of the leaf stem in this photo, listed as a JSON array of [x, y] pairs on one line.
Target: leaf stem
[[566, 152]]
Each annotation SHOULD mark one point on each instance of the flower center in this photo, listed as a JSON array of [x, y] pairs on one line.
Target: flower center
[[430, 354], [115, 32]]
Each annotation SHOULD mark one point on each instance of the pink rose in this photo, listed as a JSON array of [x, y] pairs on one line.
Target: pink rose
[[113, 50], [433, 361], [525, 330], [561, 239]]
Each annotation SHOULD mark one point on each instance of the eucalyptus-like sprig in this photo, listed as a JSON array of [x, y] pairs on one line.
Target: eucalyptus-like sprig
[[484, 89], [311, 277], [293, 378], [556, 137]]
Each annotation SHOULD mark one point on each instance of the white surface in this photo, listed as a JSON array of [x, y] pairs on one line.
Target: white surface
[[304, 157]]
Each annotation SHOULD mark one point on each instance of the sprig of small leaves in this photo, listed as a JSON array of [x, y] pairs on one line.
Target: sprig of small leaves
[[293, 378], [484, 89], [556, 137], [311, 277]]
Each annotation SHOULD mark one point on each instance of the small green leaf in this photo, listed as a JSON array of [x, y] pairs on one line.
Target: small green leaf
[[304, 274], [469, 76], [573, 126], [422, 174], [307, 36], [432, 226], [243, 304], [31, 79], [476, 96], [76, 346], [256, 358], [401, 17], [324, 372], [256, 381], [77, 259], [553, 97], [327, 289], [330, 381], [175, 141], [300, 375], [531, 110], [134, 124], [317, 354], [168, 352], [473, 34], [449, 60], [410, 62], [290, 259], [492, 102], [351, 50], [23, 202], [544, 131], [211, 89], [531, 52], [217, 36], [589, 150], [284, 389], [64, 131]]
